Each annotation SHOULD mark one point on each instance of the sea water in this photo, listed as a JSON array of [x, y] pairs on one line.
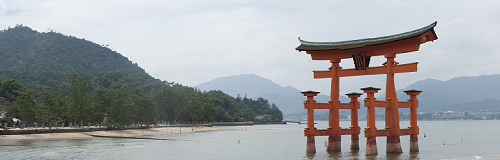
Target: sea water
[[443, 140]]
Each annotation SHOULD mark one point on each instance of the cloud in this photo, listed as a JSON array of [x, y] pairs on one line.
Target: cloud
[[3, 7], [194, 41]]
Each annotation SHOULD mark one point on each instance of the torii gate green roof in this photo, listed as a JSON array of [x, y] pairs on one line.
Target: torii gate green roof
[[351, 44]]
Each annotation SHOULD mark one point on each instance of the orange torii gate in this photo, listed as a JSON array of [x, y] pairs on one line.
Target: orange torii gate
[[361, 51]]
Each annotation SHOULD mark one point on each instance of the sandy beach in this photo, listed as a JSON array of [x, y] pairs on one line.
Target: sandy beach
[[112, 133]]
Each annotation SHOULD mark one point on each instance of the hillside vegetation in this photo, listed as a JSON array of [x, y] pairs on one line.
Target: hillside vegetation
[[53, 78], [23, 49]]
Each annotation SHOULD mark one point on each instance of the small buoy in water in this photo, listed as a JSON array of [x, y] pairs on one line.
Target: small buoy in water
[[425, 135], [444, 143], [238, 141]]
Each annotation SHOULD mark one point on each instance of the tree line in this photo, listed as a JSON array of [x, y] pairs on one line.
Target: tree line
[[84, 99]]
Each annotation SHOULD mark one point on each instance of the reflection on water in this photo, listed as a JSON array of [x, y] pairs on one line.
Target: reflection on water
[[394, 156], [334, 155], [414, 156], [310, 155], [356, 155]]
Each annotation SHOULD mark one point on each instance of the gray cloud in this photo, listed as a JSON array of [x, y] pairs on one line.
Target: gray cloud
[[192, 42]]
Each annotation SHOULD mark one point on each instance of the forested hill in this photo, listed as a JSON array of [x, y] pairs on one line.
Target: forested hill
[[52, 78], [39, 60], [24, 49]]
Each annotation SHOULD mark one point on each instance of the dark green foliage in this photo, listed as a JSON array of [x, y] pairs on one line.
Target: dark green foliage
[[25, 106], [170, 102], [10, 89], [75, 81], [45, 59], [79, 98], [52, 109], [23, 49]]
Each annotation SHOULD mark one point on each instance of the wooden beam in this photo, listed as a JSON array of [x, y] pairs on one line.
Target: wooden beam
[[346, 131], [323, 105], [326, 132], [404, 104], [405, 131], [368, 71], [322, 74], [381, 133], [383, 104], [345, 106], [402, 68], [321, 132]]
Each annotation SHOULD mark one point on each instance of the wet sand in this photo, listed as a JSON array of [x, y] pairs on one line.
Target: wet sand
[[112, 133]]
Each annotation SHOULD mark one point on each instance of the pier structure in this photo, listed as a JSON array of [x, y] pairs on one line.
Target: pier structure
[[361, 51]]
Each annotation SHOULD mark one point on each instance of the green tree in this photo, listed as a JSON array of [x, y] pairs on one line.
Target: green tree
[[53, 109], [79, 99], [276, 114], [10, 89], [121, 106], [145, 109], [24, 107]]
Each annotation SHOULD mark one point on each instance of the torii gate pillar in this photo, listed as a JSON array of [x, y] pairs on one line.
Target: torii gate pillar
[[354, 120], [413, 120], [370, 130], [310, 129], [391, 112], [333, 117]]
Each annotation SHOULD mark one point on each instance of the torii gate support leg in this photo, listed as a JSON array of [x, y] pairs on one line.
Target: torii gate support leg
[[371, 138], [309, 131], [413, 120], [392, 113], [334, 144], [354, 120], [311, 146]]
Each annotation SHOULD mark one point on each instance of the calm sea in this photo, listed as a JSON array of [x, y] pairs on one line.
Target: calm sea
[[444, 140]]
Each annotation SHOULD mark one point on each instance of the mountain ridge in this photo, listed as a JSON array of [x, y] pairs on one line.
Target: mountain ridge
[[457, 94], [288, 99], [464, 92]]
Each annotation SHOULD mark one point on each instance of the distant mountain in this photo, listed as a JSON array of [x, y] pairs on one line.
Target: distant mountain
[[288, 99], [250, 85], [457, 94]]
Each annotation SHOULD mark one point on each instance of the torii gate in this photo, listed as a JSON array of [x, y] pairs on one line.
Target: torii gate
[[361, 51]]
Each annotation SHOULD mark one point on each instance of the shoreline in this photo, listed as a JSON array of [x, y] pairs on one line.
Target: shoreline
[[128, 133]]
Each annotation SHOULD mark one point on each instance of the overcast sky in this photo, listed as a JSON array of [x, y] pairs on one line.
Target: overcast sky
[[195, 41]]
